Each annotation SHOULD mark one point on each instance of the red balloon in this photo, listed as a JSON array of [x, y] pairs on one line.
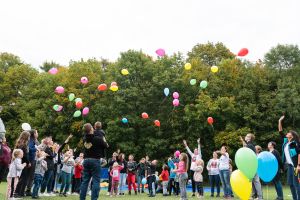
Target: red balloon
[[102, 87], [157, 123], [145, 115], [210, 120], [113, 84], [243, 52], [79, 104]]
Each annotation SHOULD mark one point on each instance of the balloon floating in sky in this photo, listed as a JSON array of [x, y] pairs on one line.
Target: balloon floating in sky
[[166, 92], [53, 71], [193, 81], [26, 127], [145, 115], [214, 69], [102, 87], [210, 120], [78, 99], [84, 80], [187, 66], [85, 111], [79, 104], [77, 113], [114, 88], [160, 52], [157, 123], [175, 102], [71, 97], [175, 95], [59, 90], [124, 72], [57, 108], [203, 84], [243, 52], [113, 83], [124, 120]]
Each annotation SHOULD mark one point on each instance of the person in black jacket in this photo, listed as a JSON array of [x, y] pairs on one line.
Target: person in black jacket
[[93, 151], [141, 168], [276, 180]]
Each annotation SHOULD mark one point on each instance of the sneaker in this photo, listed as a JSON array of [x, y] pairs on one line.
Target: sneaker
[[218, 195], [108, 194], [212, 195], [193, 194], [135, 192], [68, 193], [90, 193], [75, 193], [129, 192], [52, 194], [65, 194], [143, 191], [46, 195]]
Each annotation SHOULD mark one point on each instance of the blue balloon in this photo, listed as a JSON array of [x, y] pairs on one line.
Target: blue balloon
[[144, 181], [167, 91], [125, 120], [267, 166]]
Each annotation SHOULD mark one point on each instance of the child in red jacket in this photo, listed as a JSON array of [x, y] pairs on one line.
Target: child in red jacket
[[115, 178], [78, 172], [165, 179]]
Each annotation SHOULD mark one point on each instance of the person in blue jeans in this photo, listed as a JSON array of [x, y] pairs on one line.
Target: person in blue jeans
[[66, 172], [141, 174], [214, 174], [40, 168], [93, 150]]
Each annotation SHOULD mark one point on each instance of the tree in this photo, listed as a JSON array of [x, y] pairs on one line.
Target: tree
[[8, 60], [48, 65]]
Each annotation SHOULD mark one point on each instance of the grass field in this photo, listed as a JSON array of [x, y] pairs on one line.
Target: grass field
[[269, 194]]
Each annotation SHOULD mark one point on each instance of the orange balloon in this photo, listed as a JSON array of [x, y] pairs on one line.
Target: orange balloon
[[79, 104], [145, 115], [210, 120], [157, 123], [102, 87]]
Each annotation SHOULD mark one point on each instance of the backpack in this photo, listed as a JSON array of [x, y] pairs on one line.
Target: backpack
[[5, 156]]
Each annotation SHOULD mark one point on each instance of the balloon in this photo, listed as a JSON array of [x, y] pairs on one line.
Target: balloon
[[187, 66], [210, 120], [85, 111], [241, 186], [59, 89], [113, 84], [84, 80], [114, 88], [243, 52], [124, 120], [79, 104], [102, 87], [193, 81], [145, 115], [60, 108], [167, 91], [77, 113], [175, 102], [160, 52], [55, 107], [71, 97], [144, 181], [78, 99], [267, 166], [214, 69], [246, 161], [53, 71], [175, 95], [157, 123], [203, 84], [124, 72], [26, 127]]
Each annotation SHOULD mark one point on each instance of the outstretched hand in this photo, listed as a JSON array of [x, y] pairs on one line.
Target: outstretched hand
[[68, 139], [281, 118], [198, 140], [184, 142]]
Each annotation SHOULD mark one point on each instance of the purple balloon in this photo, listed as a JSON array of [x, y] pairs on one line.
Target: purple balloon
[[85, 111], [175, 95], [53, 71], [84, 80], [160, 52], [175, 102]]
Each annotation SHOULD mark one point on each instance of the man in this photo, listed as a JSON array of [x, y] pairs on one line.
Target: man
[[93, 151], [256, 186]]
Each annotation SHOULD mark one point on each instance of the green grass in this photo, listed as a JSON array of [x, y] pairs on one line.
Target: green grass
[[269, 194]]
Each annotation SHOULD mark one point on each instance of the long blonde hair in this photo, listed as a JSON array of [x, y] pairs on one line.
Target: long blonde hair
[[23, 140], [185, 159], [16, 153]]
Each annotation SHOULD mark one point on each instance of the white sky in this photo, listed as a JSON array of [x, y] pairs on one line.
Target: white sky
[[61, 30]]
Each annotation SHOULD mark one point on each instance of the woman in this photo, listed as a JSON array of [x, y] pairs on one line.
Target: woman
[[291, 151], [5, 158], [214, 175], [123, 174], [276, 180], [224, 170], [22, 143]]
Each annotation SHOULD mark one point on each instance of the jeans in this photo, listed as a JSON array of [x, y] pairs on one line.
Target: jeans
[[66, 180], [30, 176], [293, 182], [77, 183], [151, 184], [47, 182], [278, 188], [91, 168], [225, 179], [256, 187], [139, 180], [193, 182], [182, 185], [165, 187], [38, 179], [214, 181], [199, 186], [122, 183]]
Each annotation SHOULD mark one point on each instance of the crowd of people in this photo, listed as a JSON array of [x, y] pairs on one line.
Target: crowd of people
[[49, 169]]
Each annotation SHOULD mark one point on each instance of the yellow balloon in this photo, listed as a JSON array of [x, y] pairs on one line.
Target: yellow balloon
[[240, 184], [114, 88], [214, 69], [124, 72], [187, 66]]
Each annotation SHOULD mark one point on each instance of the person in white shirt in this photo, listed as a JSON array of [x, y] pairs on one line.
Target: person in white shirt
[[214, 175]]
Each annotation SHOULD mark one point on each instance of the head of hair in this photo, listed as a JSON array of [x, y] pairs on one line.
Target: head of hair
[[98, 125], [115, 164], [225, 147], [252, 136], [16, 153], [200, 162], [32, 133], [22, 141], [87, 128], [295, 135], [165, 167], [121, 156], [185, 159], [258, 148], [273, 144]]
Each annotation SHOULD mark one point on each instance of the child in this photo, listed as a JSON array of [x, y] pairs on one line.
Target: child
[[115, 177], [15, 170], [173, 182], [39, 172], [165, 178], [198, 178], [141, 174], [151, 177], [66, 171], [182, 174], [77, 174], [131, 169]]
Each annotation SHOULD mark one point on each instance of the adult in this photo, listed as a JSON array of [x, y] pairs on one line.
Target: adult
[[123, 173], [93, 148], [111, 161], [5, 157], [173, 178], [141, 170], [194, 157], [22, 143], [256, 185], [224, 170], [33, 143], [213, 174], [276, 180], [291, 158]]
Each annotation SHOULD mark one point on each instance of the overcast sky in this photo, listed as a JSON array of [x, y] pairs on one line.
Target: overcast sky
[[61, 30]]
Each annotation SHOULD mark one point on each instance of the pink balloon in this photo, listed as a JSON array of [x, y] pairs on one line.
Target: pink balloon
[[59, 89], [160, 52], [60, 108], [53, 71], [85, 111], [176, 102], [175, 95], [84, 80]]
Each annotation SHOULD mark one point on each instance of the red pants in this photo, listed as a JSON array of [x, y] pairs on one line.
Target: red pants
[[131, 180]]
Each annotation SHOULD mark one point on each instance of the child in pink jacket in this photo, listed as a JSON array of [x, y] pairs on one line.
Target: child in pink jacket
[[115, 178]]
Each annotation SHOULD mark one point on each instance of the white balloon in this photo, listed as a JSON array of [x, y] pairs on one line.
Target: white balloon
[[26, 127]]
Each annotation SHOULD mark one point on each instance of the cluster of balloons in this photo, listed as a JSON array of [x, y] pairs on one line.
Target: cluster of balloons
[[114, 86], [175, 99]]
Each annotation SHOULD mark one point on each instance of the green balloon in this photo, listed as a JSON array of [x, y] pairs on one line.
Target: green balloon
[[246, 161], [78, 99], [193, 81], [71, 97], [55, 107], [77, 113], [203, 84]]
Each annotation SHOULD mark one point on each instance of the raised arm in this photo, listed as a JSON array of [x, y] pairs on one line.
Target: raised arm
[[280, 129], [187, 148], [199, 148], [243, 142]]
